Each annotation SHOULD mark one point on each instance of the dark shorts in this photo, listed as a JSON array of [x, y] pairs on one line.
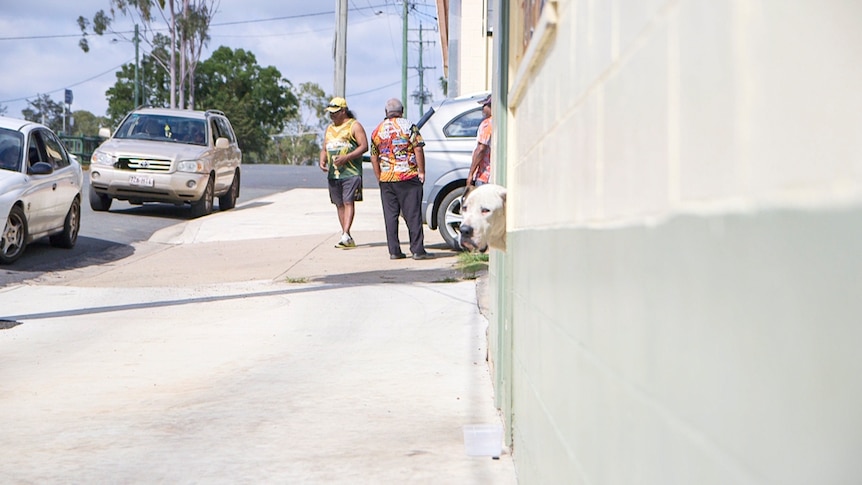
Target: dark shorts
[[345, 190]]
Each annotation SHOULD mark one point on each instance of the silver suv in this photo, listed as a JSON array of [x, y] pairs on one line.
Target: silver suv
[[449, 131], [168, 155]]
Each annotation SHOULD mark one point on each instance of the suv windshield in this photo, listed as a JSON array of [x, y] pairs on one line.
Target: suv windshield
[[191, 131]]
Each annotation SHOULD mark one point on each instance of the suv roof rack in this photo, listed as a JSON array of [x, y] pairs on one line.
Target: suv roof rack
[[216, 111]]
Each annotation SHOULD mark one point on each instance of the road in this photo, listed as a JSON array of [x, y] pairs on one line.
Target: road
[[109, 236]]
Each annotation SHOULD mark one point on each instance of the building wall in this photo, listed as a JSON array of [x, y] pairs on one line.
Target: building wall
[[474, 48], [679, 302]]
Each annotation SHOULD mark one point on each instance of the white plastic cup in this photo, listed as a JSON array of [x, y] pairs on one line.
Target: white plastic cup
[[483, 440]]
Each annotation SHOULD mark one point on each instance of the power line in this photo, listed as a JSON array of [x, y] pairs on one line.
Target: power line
[[25, 98], [221, 24]]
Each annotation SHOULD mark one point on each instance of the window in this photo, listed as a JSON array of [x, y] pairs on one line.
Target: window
[[532, 13], [56, 155], [465, 125]]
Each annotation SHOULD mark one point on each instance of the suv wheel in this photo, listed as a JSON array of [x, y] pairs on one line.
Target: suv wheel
[[204, 205], [228, 200], [99, 202], [449, 218]]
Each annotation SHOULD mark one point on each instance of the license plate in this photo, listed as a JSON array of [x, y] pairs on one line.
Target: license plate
[[142, 180]]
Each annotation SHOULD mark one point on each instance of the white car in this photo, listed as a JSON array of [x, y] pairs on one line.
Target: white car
[[449, 131], [40, 188], [168, 155]]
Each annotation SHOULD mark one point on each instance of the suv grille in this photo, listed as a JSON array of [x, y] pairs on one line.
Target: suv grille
[[144, 164]]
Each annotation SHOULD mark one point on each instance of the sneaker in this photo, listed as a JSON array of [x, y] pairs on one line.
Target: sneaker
[[423, 256], [397, 256], [348, 244]]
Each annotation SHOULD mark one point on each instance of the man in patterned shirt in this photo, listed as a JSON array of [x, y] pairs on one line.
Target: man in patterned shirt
[[399, 164], [480, 169]]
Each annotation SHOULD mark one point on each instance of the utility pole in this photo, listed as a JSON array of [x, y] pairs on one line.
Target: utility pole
[[137, 82], [421, 95], [340, 53], [404, 60]]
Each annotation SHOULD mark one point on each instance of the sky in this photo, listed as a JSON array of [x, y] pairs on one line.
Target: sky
[[39, 51]]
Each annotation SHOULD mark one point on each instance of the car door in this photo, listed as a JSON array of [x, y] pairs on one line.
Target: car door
[[64, 179], [226, 160], [39, 197]]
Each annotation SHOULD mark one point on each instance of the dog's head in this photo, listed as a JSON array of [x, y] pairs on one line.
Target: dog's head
[[484, 218]]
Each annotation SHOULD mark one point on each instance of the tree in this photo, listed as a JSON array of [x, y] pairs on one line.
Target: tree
[[44, 110], [188, 23], [155, 88], [256, 99], [299, 141], [87, 124]]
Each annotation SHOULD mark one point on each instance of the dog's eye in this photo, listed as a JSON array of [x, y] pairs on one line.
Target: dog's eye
[[485, 210]]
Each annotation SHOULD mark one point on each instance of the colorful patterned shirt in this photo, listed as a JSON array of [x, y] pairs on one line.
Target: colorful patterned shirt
[[393, 142], [483, 136], [339, 140]]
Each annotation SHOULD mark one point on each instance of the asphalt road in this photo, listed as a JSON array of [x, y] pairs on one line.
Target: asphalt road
[[108, 236]]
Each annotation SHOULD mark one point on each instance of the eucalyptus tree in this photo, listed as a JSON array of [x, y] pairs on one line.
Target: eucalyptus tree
[[186, 23]]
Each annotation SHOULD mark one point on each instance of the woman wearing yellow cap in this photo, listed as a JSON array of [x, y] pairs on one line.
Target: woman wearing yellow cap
[[341, 157]]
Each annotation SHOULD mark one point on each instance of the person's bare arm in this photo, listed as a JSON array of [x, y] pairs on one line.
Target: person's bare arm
[[322, 161], [420, 162], [478, 153]]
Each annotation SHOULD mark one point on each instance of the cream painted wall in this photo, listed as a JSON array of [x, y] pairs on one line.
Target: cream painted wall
[[475, 48], [685, 198]]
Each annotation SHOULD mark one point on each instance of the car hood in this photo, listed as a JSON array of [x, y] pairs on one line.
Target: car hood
[[152, 149]]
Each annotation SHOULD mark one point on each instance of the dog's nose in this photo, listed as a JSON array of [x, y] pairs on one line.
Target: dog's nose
[[466, 231]]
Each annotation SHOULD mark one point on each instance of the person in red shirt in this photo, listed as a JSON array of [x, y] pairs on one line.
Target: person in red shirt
[[480, 168], [398, 160]]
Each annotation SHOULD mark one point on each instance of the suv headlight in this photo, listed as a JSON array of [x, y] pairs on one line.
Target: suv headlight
[[192, 166], [101, 158]]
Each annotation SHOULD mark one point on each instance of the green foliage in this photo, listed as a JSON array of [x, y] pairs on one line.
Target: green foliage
[[44, 110], [299, 141], [470, 264], [256, 99], [87, 124]]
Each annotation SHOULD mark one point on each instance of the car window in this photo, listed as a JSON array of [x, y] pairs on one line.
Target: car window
[[54, 150], [465, 124], [176, 129], [224, 129], [10, 150], [35, 154]]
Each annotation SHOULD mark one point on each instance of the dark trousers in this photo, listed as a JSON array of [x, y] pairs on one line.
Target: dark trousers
[[403, 198]]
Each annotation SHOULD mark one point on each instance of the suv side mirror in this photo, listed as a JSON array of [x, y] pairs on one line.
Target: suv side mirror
[[104, 132], [222, 142]]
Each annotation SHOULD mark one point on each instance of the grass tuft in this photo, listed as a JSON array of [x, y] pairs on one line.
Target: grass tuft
[[470, 264]]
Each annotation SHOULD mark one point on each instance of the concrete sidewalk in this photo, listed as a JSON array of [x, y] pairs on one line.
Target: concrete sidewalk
[[244, 348]]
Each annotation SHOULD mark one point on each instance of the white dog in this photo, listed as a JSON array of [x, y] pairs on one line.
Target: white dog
[[484, 223]]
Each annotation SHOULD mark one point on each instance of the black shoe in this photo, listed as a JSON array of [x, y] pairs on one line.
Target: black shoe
[[423, 256], [397, 256]]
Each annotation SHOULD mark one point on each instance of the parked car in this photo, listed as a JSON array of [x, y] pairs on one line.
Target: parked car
[[449, 131], [168, 155], [40, 188]]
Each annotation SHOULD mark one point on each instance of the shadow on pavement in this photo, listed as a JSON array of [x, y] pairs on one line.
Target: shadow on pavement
[[40, 257]]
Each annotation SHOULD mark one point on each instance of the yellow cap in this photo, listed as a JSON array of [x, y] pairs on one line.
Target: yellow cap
[[336, 104]]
